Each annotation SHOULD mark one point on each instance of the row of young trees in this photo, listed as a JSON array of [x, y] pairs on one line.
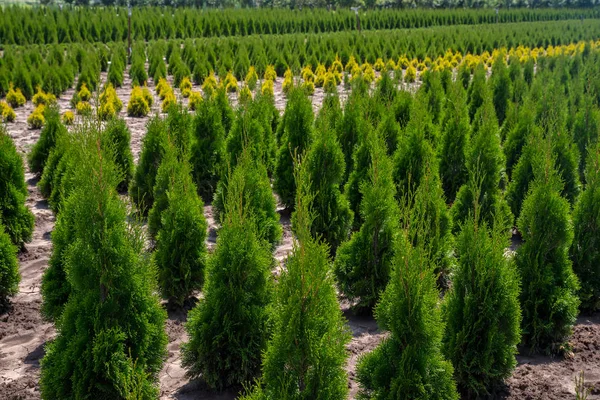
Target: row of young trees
[[55, 67], [381, 155], [20, 25]]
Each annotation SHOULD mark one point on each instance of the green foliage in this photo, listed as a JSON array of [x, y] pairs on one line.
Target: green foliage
[[517, 136], [180, 254], [255, 194], [112, 319], [207, 156], [409, 362], [115, 139], [359, 175], [306, 355], [363, 264], [485, 163], [482, 311], [414, 152], [549, 287], [297, 135], [523, 174], [16, 218], [9, 268], [153, 149], [477, 91], [352, 128], [586, 129], [324, 163], [53, 128], [501, 87], [229, 327], [585, 250], [455, 140]]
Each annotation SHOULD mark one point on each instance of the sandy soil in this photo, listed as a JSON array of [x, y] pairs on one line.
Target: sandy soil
[[23, 332]]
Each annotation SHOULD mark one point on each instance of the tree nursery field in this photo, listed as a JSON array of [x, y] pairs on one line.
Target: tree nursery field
[[272, 204]]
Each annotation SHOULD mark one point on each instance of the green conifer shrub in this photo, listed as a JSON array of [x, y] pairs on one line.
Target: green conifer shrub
[[296, 137], [485, 163], [409, 362], [180, 254], [16, 218], [363, 264], [116, 138], [549, 287], [324, 163], [305, 356], [229, 327], [585, 250], [352, 128], [586, 129], [477, 90], [256, 195], [359, 175], [482, 311], [501, 87], [153, 149], [52, 129], [112, 321], [517, 136], [9, 268], [455, 140], [207, 154]]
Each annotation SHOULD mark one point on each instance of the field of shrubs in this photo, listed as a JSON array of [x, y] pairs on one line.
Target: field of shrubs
[[302, 211]]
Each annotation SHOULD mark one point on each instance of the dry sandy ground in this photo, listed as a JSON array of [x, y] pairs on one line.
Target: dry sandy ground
[[23, 332]]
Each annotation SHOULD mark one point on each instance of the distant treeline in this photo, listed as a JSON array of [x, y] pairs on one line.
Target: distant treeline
[[69, 24]]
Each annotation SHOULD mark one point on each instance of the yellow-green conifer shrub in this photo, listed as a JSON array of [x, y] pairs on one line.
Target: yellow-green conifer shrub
[[137, 106], [15, 98]]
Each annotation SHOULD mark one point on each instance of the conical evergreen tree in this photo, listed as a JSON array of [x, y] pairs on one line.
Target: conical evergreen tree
[[352, 128], [360, 175], [53, 128], [180, 250], [228, 329], [325, 169], [585, 250], [297, 135], [330, 115], [9, 269], [586, 130], [117, 138], [153, 149], [522, 175], [306, 355], [111, 341], [517, 136], [252, 132], [477, 91], [256, 195], [207, 157], [16, 218], [482, 311], [501, 87], [485, 163], [548, 299], [455, 139], [414, 152], [408, 364], [363, 264], [429, 207]]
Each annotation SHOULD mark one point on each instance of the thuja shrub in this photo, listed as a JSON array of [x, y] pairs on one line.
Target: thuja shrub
[[585, 250], [9, 268], [138, 105], [456, 132], [586, 129], [180, 254], [15, 98], [359, 175], [305, 356], [207, 154], [363, 264], [229, 327], [16, 218], [501, 87], [352, 127], [409, 362], [324, 163], [297, 135], [485, 163], [255, 194], [41, 150], [153, 148], [116, 139], [548, 298], [7, 114], [482, 311], [517, 136], [120, 354]]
